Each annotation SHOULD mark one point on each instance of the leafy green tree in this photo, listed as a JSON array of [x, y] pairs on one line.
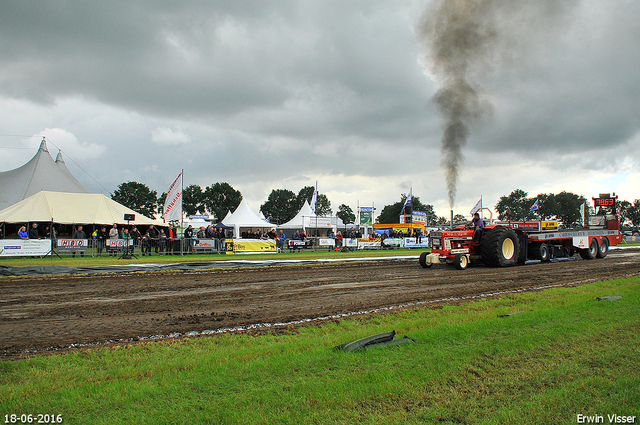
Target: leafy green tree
[[432, 217], [281, 206], [193, 200], [345, 213], [515, 207], [220, 198], [631, 212], [569, 208], [323, 206], [624, 206], [547, 206], [160, 203], [459, 218], [138, 197], [391, 213], [441, 221]]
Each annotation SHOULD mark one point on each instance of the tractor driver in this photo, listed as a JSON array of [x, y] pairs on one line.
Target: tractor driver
[[478, 226]]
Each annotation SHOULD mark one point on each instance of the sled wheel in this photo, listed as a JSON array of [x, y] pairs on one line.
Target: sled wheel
[[591, 252], [604, 248]]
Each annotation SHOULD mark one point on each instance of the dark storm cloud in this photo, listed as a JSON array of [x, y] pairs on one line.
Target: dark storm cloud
[[330, 87], [212, 60]]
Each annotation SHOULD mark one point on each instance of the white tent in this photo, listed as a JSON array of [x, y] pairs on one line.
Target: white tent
[[71, 208], [244, 218], [306, 219], [40, 173]]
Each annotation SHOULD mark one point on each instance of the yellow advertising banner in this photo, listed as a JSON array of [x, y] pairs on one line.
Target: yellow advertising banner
[[550, 225], [254, 245]]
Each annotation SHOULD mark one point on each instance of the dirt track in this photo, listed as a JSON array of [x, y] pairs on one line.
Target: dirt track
[[40, 314]]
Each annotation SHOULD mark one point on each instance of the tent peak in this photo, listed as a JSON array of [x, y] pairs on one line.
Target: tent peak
[[43, 146]]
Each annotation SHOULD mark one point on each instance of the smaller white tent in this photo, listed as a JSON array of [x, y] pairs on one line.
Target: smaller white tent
[[306, 219], [244, 218], [71, 208]]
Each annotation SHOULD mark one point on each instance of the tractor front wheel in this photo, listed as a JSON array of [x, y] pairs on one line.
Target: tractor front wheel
[[423, 260], [460, 261]]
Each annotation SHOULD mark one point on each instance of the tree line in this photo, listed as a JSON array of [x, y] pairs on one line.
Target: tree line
[[217, 199], [564, 207], [283, 204]]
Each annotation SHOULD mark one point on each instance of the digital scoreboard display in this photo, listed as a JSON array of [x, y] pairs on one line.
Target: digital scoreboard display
[[604, 202]]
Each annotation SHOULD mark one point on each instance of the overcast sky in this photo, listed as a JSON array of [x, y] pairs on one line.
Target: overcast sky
[[281, 94]]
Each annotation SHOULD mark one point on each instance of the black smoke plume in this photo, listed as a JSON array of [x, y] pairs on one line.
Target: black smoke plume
[[461, 42]]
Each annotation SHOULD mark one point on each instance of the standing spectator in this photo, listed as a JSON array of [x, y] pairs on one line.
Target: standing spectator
[[79, 234], [51, 233], [162, 241], [136, 236], [220, 235], [174, 239], [22, 233], [171, 236], [188, 236], [153, 234], [100, 240], [113, 234], [127, 237], [146, 244], [338, 240], [33, 232]]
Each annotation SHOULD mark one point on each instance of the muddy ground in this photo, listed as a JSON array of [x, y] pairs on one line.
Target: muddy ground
[[44, 314]]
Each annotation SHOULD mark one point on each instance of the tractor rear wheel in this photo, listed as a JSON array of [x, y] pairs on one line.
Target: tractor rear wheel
[[500, 247]]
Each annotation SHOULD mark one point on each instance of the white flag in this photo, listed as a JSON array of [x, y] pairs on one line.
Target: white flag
[[476, 207], [313, 200], [173, 204]]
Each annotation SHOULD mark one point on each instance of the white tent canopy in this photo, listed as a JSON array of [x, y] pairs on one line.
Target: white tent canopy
[[71, 208], [244, 218], [40, 173], [306, 219]]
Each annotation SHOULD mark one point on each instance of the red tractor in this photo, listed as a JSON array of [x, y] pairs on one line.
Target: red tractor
[[505, 244]]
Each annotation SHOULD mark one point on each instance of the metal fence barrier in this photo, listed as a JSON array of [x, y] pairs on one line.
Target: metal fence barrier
[[185, 246]]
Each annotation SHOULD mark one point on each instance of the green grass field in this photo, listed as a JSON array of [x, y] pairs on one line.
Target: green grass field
[[552, 355], [88, 261]]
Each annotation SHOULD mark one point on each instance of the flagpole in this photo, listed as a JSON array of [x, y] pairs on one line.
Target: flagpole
[[410, 208], [181, 203]]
